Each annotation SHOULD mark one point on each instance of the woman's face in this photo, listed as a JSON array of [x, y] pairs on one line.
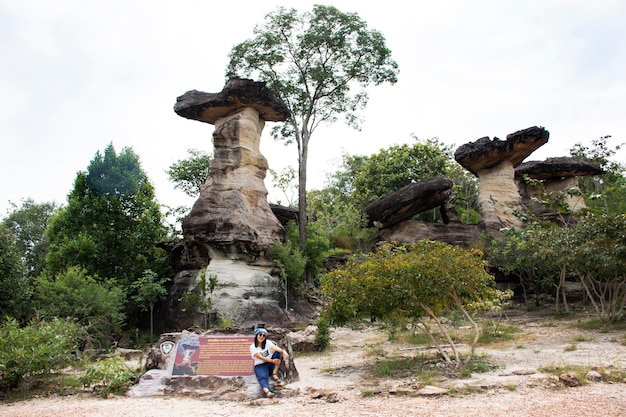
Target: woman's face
[[260, 337]]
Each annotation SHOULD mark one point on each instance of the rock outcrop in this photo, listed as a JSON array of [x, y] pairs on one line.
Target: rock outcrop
[[237, 94], [557, 175], [410, 231], [232, 218], [231, 227], [284, 214], [502, 192], [494, 162]]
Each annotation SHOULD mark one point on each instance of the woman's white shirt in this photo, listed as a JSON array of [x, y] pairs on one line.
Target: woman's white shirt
[[269, 350]]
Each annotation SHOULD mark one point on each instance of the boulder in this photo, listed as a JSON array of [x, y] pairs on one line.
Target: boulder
[[284, 214], [303, 340], [486, 153], [408, 201], [335, 261]]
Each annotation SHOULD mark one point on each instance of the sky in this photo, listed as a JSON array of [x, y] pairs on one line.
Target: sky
[[76, 75]]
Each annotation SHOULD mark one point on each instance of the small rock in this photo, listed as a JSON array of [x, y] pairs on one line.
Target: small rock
[[333, 397], [483, 384], [458, 386], [569, 380], [594, 376], [317, 393], [524, 372], [431, 391]]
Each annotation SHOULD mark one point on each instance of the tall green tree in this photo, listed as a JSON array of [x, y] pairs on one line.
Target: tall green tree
[[111, 223], [96, 304], [319, 63], [28, 224], [23, 248]]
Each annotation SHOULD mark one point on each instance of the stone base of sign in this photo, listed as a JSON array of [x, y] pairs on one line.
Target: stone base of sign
[[158, 382]]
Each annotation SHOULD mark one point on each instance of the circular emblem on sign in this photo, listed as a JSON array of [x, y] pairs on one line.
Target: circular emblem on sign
[[167, 347]]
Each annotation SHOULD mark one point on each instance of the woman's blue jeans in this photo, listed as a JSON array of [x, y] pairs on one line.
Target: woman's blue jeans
[[264, 370]]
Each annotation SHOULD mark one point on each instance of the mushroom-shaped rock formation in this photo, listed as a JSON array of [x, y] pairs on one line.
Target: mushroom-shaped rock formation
[[232, 216], [557, 175], [408, 201], [494, 162], [231, 226]]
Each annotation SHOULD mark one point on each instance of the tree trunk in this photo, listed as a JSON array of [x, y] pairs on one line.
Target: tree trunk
[[151, 320], [303, 220], [459, 304]]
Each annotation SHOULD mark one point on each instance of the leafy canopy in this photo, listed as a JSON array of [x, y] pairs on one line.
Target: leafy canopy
[[361, 180], [14, 286], [605, 193], [111, 223], [313, 61], [28, 223]]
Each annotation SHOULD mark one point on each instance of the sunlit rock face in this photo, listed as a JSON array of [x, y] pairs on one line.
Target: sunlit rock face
[[232, 215], [231, 227], [498, 197]]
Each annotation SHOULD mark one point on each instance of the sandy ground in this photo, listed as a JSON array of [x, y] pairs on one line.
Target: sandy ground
[[542, 343]]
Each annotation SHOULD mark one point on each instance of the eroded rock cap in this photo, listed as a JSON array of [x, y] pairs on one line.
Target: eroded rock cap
[[486, 153], [561, 167], [237, 93]]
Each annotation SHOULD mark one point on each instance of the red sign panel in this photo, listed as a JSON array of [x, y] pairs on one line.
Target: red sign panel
[[214, 355]]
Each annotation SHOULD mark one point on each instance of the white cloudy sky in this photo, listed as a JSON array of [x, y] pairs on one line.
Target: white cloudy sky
[[76, 75]]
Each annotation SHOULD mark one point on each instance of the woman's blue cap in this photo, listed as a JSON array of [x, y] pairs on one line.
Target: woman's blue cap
[[260, 330]]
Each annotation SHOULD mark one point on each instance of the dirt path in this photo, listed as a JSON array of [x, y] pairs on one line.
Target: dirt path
[[542, 343]]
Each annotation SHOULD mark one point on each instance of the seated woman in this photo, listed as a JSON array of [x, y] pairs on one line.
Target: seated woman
[[267, 357]]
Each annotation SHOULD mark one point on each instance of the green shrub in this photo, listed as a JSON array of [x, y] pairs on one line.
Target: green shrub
[[109, 376], [74, 293], [292, 264], [40, 347], [322, 337]]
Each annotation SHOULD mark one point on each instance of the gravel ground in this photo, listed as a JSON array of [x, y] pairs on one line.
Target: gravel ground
[[542, 342]]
